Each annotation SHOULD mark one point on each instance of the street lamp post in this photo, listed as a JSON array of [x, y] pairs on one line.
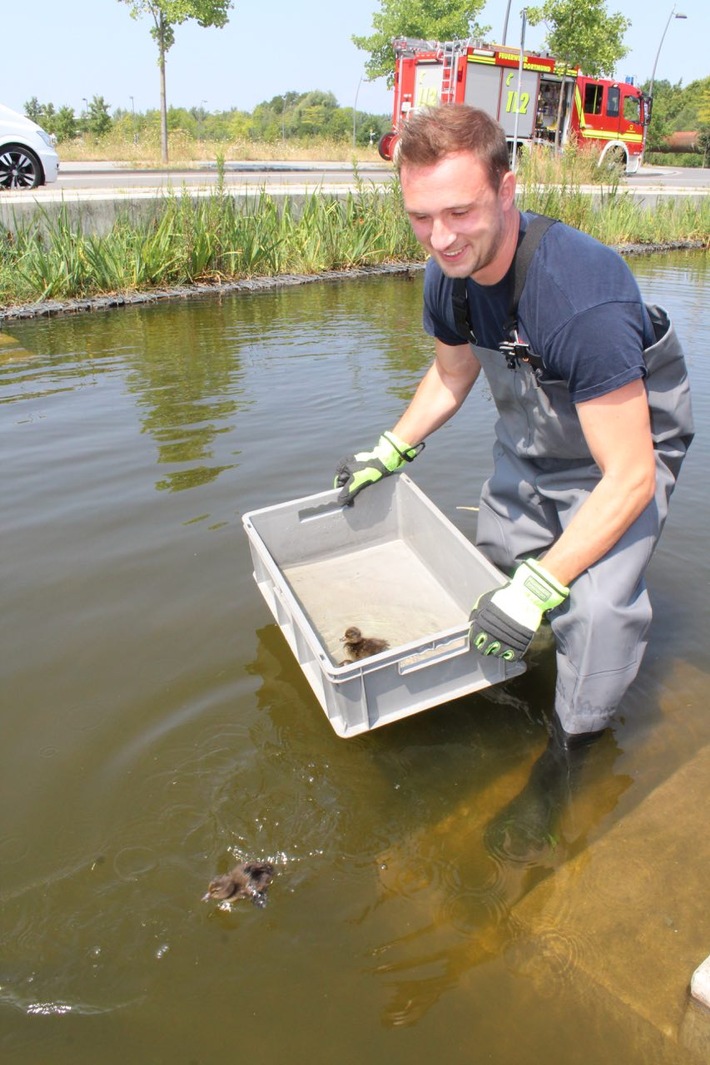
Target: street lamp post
[[133, 120], [357, 93], [523, 24], [673, 14], [505, 23]]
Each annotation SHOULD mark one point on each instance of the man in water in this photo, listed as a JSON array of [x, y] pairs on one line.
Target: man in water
[[594, 413]]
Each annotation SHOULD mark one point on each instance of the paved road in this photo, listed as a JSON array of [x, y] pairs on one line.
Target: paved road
[[680, 178], [120, 179], [98, 175]]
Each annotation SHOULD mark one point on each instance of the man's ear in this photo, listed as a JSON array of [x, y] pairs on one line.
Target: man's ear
[[506, 192]]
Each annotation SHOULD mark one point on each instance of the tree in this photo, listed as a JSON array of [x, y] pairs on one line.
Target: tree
[[43, 114], [669, 103], [61, 123], [33, 109], [276, 118], [704, 101], [98, 120], [166, 15], [315, 111], [704, 142], [582, 34], [437, 20], [704, 123], [66, 127]]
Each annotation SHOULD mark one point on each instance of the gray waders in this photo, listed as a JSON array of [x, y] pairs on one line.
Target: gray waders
[[543, 474]]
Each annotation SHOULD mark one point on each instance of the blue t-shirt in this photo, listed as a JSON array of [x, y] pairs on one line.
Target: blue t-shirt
[[581, 312]]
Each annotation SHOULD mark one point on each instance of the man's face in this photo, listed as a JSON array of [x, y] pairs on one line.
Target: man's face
[[460, 220]]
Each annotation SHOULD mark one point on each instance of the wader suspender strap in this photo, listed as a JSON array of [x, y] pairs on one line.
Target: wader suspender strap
[[510, 346]]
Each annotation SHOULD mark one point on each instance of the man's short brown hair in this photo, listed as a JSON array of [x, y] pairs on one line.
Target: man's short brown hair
[[430, 133]]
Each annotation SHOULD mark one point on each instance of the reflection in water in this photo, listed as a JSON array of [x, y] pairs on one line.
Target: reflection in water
[[157, 730], [187, 380], [465, 875]]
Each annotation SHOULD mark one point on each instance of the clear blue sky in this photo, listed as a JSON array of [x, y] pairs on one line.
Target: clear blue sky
[[64, 50]]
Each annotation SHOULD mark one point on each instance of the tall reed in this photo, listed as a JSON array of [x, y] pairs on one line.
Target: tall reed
[[217, 238], [204, 240]]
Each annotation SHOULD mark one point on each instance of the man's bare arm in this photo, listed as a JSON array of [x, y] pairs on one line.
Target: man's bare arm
[[441, 392], [618, 431]]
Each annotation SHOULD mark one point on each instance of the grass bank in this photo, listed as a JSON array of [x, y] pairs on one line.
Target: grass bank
[[216, 239], [185, 150]]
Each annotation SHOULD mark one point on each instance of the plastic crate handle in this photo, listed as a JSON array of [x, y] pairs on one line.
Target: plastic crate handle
[[459, 645]]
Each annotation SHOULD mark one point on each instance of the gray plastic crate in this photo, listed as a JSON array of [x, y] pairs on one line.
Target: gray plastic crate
[[396, 567]]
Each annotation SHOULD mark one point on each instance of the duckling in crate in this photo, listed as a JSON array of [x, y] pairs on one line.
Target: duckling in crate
[[359, 646], [248, 880]]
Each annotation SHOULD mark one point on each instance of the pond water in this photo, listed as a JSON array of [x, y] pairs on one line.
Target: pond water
[[156, 728]]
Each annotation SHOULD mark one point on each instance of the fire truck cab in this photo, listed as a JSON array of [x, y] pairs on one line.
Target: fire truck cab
[[535, 98], [614, 116]]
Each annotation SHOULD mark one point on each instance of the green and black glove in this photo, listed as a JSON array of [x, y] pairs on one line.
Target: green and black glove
[[504, 622], [358, 471]]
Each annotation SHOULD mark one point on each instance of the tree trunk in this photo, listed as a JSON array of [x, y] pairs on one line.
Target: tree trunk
[[163, 94]]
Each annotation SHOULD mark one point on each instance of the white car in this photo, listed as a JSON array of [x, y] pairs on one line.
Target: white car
[[27, 154]]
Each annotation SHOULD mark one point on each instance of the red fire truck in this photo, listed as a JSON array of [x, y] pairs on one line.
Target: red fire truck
[[531, 99]]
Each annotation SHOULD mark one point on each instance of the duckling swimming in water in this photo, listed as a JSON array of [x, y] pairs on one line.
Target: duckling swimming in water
[[248, 880], [359, 646]]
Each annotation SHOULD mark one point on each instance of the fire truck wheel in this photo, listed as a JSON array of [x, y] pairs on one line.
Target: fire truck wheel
[[386, 145], [614, 159]]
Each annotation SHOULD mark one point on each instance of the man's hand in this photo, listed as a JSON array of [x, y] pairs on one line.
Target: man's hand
[[358, 471], [504, 622]]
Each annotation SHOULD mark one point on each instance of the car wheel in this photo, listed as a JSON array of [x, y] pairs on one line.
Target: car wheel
[[19, 168]]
